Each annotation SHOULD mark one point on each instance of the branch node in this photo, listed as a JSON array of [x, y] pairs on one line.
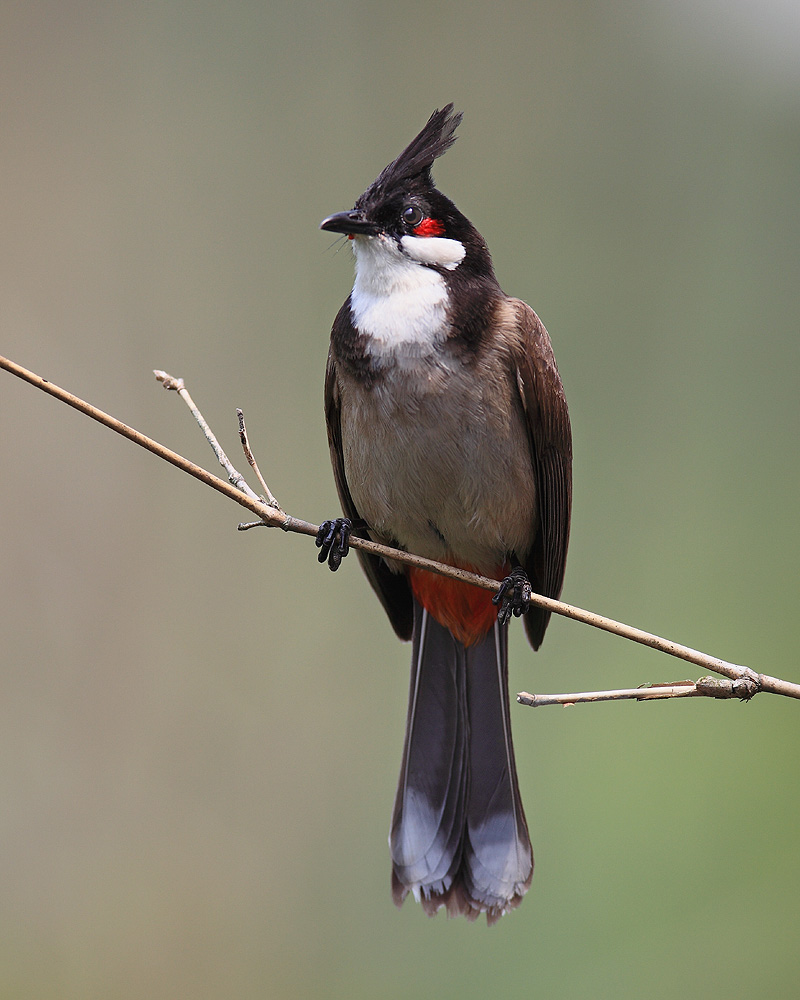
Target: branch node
[[237, 479], [746, 688], [743, 688], [169, 381]]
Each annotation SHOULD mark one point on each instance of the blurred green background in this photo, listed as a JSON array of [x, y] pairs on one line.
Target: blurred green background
[[200, 730]]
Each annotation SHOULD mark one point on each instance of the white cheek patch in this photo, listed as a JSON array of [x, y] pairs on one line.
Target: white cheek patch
[[434, 250]]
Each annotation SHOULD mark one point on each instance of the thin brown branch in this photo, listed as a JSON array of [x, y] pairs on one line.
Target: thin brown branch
[[248, 454], [742, 682], [705, 687], [749, 682]]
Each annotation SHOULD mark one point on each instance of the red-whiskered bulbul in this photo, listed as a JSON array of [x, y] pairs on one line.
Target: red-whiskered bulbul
[[450, 438]]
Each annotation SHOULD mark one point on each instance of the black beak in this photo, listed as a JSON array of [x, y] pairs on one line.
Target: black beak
[[350, 223]]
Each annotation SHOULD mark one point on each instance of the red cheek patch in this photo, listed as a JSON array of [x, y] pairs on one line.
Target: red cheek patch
[[429, 227]]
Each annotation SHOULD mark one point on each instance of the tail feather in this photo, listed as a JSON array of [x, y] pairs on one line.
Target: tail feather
[[430, 808], [498, 862], [459, 837]]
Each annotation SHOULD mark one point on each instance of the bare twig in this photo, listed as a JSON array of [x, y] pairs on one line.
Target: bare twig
[[705, 687], [234, 477], [748, 682], [253, 463]]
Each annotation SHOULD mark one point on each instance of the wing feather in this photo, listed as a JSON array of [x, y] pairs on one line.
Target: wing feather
[[550, 437]]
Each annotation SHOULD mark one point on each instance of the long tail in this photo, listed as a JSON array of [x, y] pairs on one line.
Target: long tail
[[459, 837]]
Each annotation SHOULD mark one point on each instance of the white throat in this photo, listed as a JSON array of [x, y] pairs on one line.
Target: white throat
[[398, 302]]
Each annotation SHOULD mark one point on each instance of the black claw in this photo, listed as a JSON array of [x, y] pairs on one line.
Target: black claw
[[514, 595], [333, 541]]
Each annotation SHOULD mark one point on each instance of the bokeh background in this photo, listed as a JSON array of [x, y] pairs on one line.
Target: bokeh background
[[200, 730]]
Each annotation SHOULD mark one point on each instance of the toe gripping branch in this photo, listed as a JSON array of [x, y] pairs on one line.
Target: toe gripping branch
[[514, 595], [333, 541]]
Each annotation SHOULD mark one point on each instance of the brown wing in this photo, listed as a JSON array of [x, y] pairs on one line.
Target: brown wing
[[545, 407], [392, 589]]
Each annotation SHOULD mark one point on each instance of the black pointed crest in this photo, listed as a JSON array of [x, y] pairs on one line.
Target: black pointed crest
[[412, 168]]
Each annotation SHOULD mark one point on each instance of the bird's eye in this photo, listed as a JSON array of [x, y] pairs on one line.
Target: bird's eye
[[412, 216]]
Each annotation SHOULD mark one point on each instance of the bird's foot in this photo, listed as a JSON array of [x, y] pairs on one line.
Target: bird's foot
[[514, 595], [333, 541]]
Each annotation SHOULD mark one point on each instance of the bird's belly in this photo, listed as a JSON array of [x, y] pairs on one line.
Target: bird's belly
[[439, 472]]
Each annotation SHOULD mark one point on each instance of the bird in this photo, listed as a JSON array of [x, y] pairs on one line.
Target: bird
[[450, 438]]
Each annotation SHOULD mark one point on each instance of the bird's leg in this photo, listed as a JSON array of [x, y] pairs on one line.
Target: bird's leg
[[514, 595], [333, 541]]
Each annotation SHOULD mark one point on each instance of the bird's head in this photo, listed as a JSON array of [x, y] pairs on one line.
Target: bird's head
[[403, 218]]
